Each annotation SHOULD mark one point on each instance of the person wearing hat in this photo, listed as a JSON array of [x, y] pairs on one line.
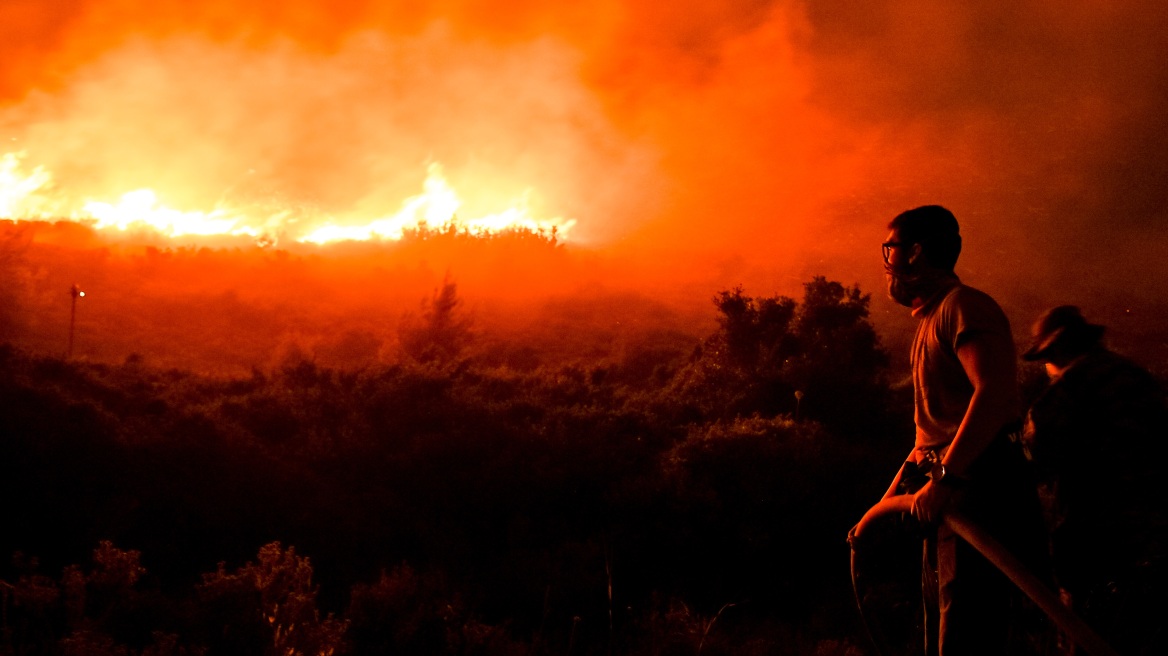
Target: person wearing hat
[[1091, 435], [1062, 336]]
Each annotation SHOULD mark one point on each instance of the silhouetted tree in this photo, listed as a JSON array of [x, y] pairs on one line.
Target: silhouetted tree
[[771, 354], [443, 331], [840, 363], [755, 333]]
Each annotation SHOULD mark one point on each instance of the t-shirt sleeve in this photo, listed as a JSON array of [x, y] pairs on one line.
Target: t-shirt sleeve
[[973, 313]]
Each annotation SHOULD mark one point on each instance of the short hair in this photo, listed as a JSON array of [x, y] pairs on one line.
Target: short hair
[[935, 229]]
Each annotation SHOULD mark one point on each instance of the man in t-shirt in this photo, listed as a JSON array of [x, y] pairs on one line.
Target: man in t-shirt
[[966, 455]]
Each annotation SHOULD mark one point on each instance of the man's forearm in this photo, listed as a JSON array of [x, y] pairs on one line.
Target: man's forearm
[[983, 420], [988, 363]]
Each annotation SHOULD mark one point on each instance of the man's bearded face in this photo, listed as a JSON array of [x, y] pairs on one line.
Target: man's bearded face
[[899, 270], [900, 286]]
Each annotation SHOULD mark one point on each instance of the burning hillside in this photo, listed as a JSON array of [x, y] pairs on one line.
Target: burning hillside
[[32, 195], [233, 307]]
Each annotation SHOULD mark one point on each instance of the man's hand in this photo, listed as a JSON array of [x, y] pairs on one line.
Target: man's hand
[[929, 502]]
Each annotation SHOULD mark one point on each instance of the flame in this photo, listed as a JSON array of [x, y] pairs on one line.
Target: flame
[[437, 207], [140, 209], [30, 195], [20, 193]]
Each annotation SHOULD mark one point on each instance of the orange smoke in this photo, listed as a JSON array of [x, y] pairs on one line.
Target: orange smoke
[[642, 124]]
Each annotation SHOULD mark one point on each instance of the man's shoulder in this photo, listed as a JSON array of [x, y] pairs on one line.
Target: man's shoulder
[[1113, 369], [964, 294], [965, 312], [963, 299]]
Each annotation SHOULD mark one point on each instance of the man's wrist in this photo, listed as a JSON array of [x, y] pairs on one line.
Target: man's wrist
[[942, 475]]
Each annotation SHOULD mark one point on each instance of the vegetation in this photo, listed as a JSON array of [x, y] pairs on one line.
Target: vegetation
[[450, 502]]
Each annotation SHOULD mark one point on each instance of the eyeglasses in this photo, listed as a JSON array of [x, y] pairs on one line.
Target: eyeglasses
[[889, 245]]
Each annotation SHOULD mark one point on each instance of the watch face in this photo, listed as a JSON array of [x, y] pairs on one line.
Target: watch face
[[938, 473]]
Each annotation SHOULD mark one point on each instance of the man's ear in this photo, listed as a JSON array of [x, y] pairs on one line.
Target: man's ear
[[916, 253]]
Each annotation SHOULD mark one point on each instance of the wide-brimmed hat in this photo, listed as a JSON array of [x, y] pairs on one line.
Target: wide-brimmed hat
[[1063, 326]]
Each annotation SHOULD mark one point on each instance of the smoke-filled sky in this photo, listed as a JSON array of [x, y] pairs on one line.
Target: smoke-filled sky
[[737, 142]]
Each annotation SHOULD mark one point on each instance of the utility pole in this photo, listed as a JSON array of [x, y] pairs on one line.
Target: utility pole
[[76, 293]]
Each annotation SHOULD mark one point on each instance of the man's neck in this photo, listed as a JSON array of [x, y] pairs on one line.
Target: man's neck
[[934, 285]]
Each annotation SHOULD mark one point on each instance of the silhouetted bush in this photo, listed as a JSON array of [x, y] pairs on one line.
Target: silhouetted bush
[[268, 607], [819, 359]]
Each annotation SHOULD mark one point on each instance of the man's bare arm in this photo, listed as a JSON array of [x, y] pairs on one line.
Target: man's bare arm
[[989, 363]]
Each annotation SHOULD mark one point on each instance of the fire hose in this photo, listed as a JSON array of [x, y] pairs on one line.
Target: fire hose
[[1075, 628]]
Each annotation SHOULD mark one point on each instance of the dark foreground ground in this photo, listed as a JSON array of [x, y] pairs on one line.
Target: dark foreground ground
[[667, 503]]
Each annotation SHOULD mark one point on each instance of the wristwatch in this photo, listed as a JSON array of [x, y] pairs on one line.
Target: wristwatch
[[943, 476]]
